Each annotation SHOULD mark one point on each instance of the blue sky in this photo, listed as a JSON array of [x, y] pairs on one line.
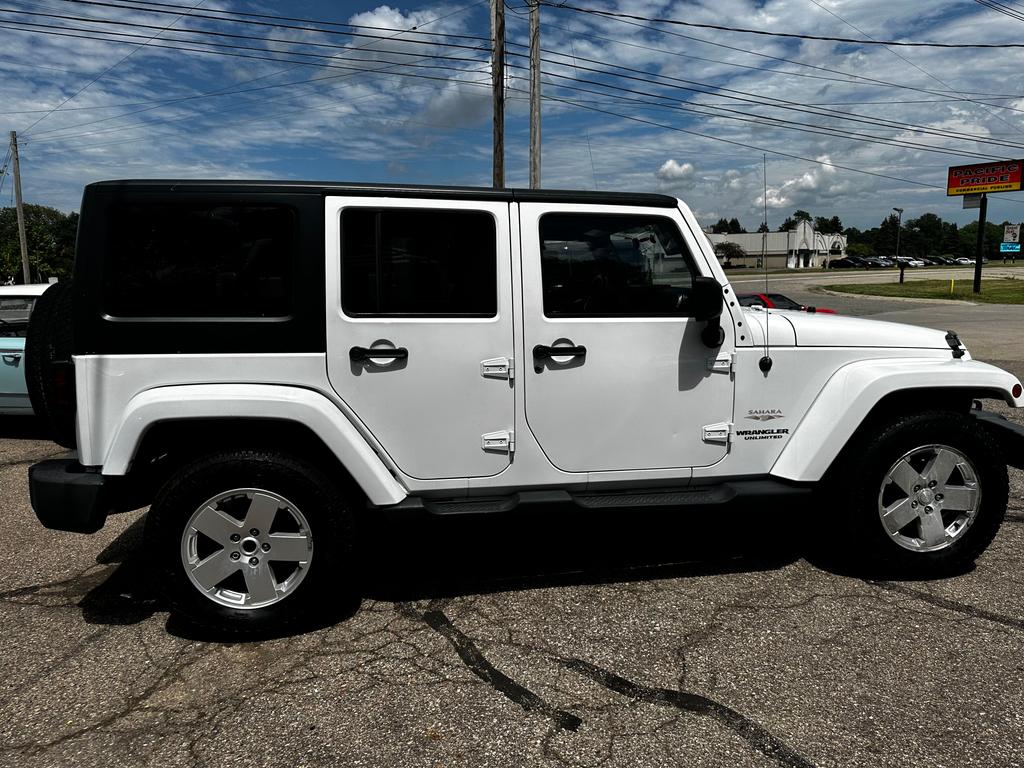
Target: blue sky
[[162, 112]]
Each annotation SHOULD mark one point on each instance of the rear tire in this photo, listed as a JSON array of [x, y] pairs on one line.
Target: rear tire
[[929, 493], [49, 374], [251, 543]]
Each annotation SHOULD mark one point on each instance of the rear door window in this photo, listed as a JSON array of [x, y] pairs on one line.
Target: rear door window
[[418, 263]]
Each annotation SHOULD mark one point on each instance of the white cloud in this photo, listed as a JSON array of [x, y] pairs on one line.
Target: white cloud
[[670, 170]]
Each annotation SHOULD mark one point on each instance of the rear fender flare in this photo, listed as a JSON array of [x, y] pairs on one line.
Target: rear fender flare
[[256, 401]]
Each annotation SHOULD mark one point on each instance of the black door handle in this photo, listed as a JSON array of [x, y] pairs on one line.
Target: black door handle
[[541, 352], [363, 354]]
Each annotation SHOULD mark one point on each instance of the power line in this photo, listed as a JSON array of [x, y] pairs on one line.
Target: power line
[[388, 69], [762, 120], [911, 63], [212, 33], [228, 17], [750, 98], [480, 38], [273, 116], [220, 91], [792, 35], [108, 69], [1003, 9], [848, 77], [739, 143], [101, 21], [789, 125]]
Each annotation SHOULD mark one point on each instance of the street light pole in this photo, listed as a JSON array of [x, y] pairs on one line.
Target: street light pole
[[899, 226]]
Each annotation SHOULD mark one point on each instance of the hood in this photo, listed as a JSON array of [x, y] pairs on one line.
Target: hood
[[825, 330]]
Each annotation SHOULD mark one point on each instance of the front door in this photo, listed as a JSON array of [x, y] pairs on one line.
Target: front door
[[619, 378], [419, 297]]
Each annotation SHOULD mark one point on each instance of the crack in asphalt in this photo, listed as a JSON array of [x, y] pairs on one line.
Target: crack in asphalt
[[171, 673], [756, 735], [34, 459], [480, 666], [951, 605]]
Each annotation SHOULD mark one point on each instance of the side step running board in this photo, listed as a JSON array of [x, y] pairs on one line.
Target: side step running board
[[693, 496]]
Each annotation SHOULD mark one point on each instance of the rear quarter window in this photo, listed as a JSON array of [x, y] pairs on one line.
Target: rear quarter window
[[199, 260]]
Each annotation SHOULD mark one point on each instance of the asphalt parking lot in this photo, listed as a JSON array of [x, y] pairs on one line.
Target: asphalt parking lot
[[593, 640]]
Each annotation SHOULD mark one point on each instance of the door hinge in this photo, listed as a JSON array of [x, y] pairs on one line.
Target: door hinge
[[502, 441], [498, 368], [722, 363], [717, 433]]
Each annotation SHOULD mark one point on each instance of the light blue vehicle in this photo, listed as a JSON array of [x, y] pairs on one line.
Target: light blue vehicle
[[16, 303]]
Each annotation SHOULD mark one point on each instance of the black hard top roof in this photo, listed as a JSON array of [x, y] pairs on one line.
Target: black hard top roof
[[394, 190]]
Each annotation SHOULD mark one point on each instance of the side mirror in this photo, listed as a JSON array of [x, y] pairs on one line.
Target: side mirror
[[706, 303], [706, 298]]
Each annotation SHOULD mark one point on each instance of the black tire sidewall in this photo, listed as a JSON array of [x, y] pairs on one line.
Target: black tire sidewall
[[328, 584], [955, 430]]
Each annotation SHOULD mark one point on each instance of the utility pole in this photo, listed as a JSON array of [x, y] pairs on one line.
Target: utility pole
[[498, 89], [979, 248], [535, 94], [21, 211]]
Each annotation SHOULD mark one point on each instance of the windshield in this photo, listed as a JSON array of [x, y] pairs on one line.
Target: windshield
[[14, 314]]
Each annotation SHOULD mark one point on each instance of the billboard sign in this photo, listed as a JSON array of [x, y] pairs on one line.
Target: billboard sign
[[1001, 176], [1009, 247], [1011, 233]]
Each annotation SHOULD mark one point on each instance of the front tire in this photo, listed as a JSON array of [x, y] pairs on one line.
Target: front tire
[[929, 494], [251, 542]]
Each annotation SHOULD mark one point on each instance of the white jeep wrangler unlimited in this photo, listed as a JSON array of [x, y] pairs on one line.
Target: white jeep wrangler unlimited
[[260, 360]]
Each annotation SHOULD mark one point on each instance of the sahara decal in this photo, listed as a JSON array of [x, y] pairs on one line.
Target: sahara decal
[[764, 414]]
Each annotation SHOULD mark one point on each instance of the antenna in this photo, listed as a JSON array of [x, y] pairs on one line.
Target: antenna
[[765, 363]]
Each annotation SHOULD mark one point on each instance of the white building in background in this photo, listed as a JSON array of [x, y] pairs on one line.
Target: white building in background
[[799, 248]]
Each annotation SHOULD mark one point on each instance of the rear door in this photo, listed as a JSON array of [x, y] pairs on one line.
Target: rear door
[[419, 334], [619, 377]]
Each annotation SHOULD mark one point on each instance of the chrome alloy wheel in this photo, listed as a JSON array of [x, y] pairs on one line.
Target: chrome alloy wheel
[[929, 497], [247, 548]]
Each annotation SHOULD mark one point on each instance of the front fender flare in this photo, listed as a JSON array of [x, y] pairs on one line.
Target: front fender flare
[[853, 390], [257, 401]]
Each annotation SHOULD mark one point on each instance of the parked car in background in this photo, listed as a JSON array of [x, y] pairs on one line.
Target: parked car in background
[[850, 262], [777, 301], [909, 262], [16, 303], [964, 260]]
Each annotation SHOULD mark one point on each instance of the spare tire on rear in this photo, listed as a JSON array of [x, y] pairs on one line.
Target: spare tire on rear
[[49, 372]]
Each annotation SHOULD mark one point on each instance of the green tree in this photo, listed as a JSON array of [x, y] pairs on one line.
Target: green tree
[[832, 226], [885, 240], [923, 236], [721, 227], [763, 227], [969, 238], [735, 228], [801, 216], [728, 251], [51, 242], [859, 249]]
